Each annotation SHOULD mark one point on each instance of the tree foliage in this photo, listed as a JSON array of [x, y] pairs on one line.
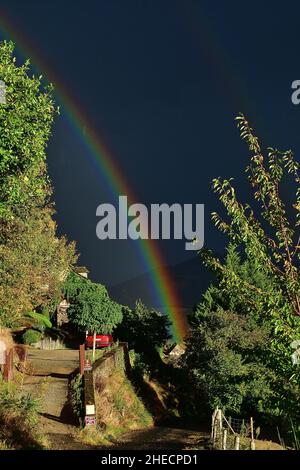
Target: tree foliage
[[90, 305], [25, 127], [145, 330], [226, 351], [262, 291], [33, 260]]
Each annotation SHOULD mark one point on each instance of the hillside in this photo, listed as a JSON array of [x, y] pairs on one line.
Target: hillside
[[190, 279]]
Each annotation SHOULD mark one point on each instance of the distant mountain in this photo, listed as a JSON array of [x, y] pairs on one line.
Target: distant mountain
[[190, 279]]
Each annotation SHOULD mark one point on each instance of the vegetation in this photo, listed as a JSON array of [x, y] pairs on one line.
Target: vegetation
[[33, 260], [226, 350], [119, 409], [31, 336], [146, 331], [239, 352], [77, 397], [90, 305], [39, 320], [101, 352], [18, 419], [238, 355], [163, 386], [119, 406]]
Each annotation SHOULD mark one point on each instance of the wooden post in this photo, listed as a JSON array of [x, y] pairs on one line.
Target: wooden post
[[242, 430], [252, 444], [81, 359], [215, 427], [224, 441], [11, 364], [213, 424], [219, 419], [237, 443], [94, 345], [8, 367]]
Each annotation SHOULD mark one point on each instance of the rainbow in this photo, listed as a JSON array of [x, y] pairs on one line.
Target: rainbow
[[160, 277]]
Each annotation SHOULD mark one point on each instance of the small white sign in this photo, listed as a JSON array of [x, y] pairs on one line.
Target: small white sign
[[89, 409]]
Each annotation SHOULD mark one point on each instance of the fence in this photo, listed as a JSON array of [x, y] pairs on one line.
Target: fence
[[15, 356], [50, 344], [230, 433]]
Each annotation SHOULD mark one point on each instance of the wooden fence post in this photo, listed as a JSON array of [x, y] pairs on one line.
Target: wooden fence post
[[224, 441], [219, 419], [94, 345], [237, 443], [252, 444], [81, 358], [215, 427], [8, 367], [213, 424]]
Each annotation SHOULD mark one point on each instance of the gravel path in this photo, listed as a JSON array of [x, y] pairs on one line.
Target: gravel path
[[162, 438], [57, 361], [49, 382]]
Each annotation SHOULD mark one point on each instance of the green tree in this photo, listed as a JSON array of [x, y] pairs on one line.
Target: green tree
[[33, 260], [25, 127], [145, 330], [225, 352], [33, 265], [268, 283], [90, 305]]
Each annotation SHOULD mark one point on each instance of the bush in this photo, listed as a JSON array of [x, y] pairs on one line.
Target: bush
[[18, 419], [139, 366], [146, 331], [31, 336]]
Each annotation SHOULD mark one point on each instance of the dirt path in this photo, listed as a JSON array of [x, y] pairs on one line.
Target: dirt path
[[162, 438], [49, 382], [57, 361]]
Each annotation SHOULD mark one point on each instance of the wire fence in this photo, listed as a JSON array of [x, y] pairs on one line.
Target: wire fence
[[239, 426], [228, 433]]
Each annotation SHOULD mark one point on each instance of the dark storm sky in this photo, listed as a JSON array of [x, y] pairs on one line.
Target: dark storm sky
[[162, 80]]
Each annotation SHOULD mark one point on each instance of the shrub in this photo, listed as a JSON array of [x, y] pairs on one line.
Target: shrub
[[18, 419], [31, 336]]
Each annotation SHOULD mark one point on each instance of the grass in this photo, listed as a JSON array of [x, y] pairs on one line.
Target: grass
[[100, 352], [18, 419], [129, 409], [91, 436], [245, 444], [119, 409]]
